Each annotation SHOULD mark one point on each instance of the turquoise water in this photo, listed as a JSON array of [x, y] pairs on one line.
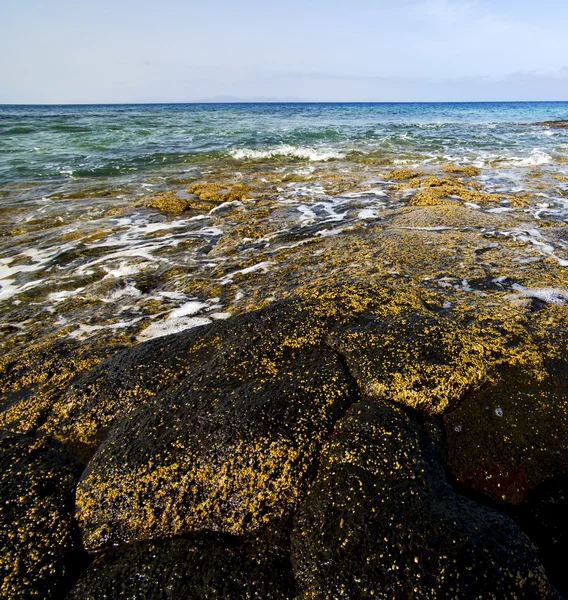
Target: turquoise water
[[51, 142], [85, 253]]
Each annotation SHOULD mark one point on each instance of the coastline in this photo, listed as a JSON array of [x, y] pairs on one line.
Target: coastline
[[349, 377]]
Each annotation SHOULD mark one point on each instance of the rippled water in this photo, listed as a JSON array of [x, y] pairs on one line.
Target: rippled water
[[61, 141], [81, 253]]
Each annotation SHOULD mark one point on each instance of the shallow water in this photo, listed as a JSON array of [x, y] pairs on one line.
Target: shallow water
[[82, 255]]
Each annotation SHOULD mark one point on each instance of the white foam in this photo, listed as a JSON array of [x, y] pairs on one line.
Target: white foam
[[129, 291], [124, 269], [220, 315], [40, 259], [308, 215], [262, 266], [332, 232], [537, 157], [225, 205], [63, 295], [142, 252], [534, 237], [210, 231], [8, 289], [84, 331], [292, 246], [367, 213], [170, 295], [370, 192], [314, 154], [434, 228], [502, 209], [189, 308], [169, 326], [548, 295]]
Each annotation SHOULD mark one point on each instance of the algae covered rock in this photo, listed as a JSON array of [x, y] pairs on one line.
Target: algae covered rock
[[168, 202], [381, 521], [230, 449], [326, 420], [429, 359], [433, 190], [463, 170], [194, 568], [509, 437], [216, 192], [39, 540]]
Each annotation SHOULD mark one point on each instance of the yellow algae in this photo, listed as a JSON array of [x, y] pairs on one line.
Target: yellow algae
[[207, 191], [449, 214], [36, 517], [236, 493], [40, 375], [239, 191], [433, 190], [462, 170], [237, 484], [404, 174], [168, 202]]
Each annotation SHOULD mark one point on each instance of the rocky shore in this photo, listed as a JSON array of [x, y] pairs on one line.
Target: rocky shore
[[387, 416]]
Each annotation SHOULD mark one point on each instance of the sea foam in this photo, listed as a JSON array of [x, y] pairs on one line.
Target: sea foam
[[314, 154]]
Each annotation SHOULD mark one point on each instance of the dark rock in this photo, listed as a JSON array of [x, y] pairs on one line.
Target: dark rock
[[206, 567], [38, 536], [559, 124], [229, 449], [381, 521], [553, 343], [124, 382], [218, 432], [427, 360], [543, 517], [509, 437]]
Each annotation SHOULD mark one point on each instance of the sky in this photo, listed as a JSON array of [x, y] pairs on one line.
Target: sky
[[107, 51]]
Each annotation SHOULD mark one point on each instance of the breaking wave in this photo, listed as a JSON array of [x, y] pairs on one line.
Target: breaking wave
[[313, 154]]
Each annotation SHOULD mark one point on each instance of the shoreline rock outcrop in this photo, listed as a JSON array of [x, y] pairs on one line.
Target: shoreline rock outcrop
[[318, 447]]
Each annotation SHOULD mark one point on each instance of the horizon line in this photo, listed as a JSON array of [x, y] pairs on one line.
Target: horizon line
[[239, 102]]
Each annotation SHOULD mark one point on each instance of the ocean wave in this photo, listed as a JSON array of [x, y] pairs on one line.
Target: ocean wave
[[537, 157], [313, 154]]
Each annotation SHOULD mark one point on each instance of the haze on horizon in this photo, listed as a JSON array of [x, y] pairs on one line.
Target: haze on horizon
[[375, 51]]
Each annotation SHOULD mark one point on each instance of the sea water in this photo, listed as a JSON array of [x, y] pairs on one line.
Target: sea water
[[82, 255]]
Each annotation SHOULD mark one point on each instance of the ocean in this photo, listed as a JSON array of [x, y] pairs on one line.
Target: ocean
[[87, 250], [63, 142]]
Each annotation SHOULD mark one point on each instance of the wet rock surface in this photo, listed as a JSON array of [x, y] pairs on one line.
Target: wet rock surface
[[319, 447], [352, 541], [543, 517], [383, 415], [206, 567], [226, 453], [509, 437], [560, 123], [40, 541]]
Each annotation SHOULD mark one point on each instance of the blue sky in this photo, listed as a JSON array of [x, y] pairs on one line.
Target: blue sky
[[183, 51]]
